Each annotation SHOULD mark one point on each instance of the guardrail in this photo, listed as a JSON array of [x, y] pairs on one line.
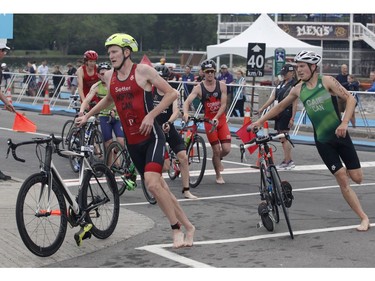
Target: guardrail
[[255, 95]]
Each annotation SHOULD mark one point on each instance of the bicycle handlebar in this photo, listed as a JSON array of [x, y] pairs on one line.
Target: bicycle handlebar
[[197, 120], [51, 139], [264, 139]]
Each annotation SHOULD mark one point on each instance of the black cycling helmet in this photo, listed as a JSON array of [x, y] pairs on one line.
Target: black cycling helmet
[[104, 65], [163, 71], [208, 64]]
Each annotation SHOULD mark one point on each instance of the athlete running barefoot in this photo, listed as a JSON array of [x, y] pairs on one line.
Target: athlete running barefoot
[[319, 96], [213, 95], [130, 87]]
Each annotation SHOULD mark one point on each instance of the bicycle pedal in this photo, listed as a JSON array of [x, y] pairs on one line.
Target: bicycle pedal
[[82, 234]]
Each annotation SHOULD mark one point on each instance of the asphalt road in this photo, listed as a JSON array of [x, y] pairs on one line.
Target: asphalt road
[[226, 216]]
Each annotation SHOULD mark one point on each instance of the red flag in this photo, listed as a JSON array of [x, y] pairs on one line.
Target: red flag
[[146, 60], [23, 124], [246, 136]]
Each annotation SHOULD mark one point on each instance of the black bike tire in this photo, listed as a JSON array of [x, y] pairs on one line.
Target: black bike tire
[[270, 196], [97, 139], [87, 193], [198, 140], [279, 200], [65, 133], [149, 197], [40, 250], [76, 140], [116, 145]]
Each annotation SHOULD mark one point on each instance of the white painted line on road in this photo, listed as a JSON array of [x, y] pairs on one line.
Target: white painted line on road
[[251, 194], [158, 249]]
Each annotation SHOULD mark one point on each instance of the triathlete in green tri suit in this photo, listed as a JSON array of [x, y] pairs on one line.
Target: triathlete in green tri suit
[[319, 96]]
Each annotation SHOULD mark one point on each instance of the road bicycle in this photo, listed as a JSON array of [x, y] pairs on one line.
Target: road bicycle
[[45, 205], [69, 124], [74, 137], [89, 134], [119, 162], [196, 151], [274, 193]]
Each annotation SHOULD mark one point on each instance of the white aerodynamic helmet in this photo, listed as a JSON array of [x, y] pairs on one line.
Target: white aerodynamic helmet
[[308, 57]]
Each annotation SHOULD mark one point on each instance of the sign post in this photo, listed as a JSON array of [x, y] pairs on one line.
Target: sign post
[[256, 53], [279, 60]]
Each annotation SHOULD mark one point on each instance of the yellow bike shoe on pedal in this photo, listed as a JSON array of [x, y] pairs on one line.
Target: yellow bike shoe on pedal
[[82, 234]]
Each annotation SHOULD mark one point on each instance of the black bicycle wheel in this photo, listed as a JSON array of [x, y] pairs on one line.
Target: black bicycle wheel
[[278, 199], [173, 168], [197, 157], [96, 140], [99, 197], [116, 159], [65, 133], [149, 197], [41, 222], [76, 138], [270, 196]]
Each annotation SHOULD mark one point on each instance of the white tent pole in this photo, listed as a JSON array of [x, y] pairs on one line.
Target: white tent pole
[[351, 45]]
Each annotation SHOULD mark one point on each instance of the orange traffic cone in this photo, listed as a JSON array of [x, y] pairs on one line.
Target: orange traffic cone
[[247, 118], [265, 128], [23, 124], [46, 110]]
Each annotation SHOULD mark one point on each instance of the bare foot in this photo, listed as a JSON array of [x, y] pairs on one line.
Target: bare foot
[[178, 239], [189, 237], [220, 180], [364, 226], [188, 195]]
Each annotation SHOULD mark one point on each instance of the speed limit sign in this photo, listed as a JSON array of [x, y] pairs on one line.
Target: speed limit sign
[[256, 59]]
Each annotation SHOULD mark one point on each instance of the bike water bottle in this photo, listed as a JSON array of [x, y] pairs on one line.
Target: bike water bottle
[[188, 137]]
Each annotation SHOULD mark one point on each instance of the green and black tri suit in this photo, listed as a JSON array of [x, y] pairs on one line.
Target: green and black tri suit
[[322, 109]]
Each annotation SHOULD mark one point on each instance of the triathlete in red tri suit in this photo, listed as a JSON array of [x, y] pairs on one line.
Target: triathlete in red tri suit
[[130, 86]]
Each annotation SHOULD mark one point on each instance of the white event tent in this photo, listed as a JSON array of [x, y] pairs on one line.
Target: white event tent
[[263, 30]]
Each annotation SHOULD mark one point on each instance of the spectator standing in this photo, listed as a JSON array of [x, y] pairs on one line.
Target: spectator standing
[[42, 72], [213, 95], [227, 78], [285, 120], [30, 79], [72, 81], [173, 77], [372, 77], [187, 77], [58, 80], [200, 76], [353, 87], [5, 76], [4, 49], [342, 77], [238, 109]]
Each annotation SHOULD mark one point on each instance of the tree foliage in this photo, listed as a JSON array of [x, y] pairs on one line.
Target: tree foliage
[[76, 33]]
